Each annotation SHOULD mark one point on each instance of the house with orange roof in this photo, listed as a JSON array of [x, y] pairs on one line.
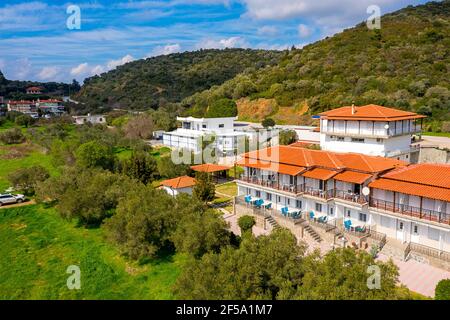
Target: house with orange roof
[[350, 198], [372, 130], [178, 185]]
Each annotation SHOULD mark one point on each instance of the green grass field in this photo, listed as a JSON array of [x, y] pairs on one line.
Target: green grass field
[[437, 134], [13, 157], [37, 246]]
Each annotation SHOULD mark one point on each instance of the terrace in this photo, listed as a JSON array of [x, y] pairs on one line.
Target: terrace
[[410, 211]]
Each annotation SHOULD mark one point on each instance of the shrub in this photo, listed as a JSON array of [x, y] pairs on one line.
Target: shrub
[[246, 224], [26, 179], [268, 122], [442, 291], [12, 136], [222, 108]]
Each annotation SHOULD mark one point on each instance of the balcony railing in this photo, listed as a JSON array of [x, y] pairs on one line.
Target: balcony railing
[[349, 196], [296, 189], [411, 211], [429, 251], [272, 184]]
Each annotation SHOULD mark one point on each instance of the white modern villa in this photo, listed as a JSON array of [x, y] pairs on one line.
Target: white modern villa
[[372, 130], [193, 130]]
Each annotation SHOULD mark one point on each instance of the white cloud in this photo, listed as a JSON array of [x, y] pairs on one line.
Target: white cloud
[[304, 31], [97, 70], [232, 42], [80, 70], [164, 50], [112, 64], [267, 31], [48, 73], [22, 69]]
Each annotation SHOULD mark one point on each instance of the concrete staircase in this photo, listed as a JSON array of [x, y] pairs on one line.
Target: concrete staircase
[[272, 223], [312, 233], [394, 248]]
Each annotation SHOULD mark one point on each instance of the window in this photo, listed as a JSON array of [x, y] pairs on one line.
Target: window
[[204, 126], [278, 199], [269, 196], [288, 201], [331, 211], [416, 230], [258, 193], [348, 213], [379, 140], [400, 226], [340, 139], [318, 207], [433, 234], [357, 140], [298, 204], [221, 125], [362, 217]]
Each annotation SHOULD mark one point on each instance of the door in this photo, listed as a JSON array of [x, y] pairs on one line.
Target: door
[[400, 230], [415, 233]]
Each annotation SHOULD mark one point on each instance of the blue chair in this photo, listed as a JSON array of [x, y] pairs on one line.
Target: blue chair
[[248, 199], [268, 206], [311, 215], [284, 211], [348, 224]]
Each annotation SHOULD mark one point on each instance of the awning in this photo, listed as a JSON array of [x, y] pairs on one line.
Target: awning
[[412, 189], [271, 166], [320, 174], [352, 176]]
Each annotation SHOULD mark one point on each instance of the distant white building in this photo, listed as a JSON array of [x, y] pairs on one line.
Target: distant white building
[[372, 130], [192, 130], [93, 119]]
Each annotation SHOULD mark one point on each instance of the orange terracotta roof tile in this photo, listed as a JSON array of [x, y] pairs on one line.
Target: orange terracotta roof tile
[[353, 177], [325, 159], [271, 166], [179, 182], [369, 112], [210, 167], [320, 174], [437, 175], [415, 189]]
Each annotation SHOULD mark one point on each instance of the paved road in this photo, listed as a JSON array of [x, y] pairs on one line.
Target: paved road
[[442, 142], [26, 203]]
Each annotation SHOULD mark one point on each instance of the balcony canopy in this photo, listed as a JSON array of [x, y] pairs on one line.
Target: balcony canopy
[[352, 176], [320, 174]]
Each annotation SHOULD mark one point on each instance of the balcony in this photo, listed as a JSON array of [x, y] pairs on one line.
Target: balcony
[[291, 188], [377, 133], [350, 196], [323, 194], [410, 211]]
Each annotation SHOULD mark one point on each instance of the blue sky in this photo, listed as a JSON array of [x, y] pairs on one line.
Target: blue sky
[[35, 43]]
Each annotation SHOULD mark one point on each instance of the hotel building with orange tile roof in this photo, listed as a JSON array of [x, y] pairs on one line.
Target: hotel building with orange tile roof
[[350, 198]]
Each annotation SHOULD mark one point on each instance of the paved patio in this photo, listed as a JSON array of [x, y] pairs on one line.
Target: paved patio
[[234, 227], [418, 277]]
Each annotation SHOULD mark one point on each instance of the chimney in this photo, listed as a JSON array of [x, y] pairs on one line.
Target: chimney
[[353, 109]]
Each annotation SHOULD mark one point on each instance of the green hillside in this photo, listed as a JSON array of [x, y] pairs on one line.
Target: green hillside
[[153, 82], [14, 89], [405, 65]]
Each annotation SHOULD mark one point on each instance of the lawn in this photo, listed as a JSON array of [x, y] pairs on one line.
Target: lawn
[[38, 246], [437, 134], [13, 157], [229, 189]]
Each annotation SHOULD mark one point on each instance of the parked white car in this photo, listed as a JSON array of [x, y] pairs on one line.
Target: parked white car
[[8, 198]]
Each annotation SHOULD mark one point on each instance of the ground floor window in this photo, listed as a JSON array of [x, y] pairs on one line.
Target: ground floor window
[[331, 211], [269, 196], [416, 230], [348, 213], [318, 207], [298, 204], [258, 193], [362, 217], [288, 201]]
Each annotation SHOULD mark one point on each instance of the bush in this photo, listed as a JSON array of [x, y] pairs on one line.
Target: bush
[[26, 179], [12, 136], [246, 224], [268, 122], [24, 120], [95, 154], [222, 108], [204, 190], [442, 291]]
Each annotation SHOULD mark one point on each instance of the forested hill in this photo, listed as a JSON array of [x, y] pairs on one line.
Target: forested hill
[[14, 89], [406, 65], [152, 82]]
